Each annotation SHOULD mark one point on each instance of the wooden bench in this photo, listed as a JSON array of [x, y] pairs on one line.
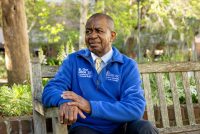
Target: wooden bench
[[157, 73]]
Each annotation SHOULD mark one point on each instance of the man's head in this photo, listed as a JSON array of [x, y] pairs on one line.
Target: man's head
[[99, 33]]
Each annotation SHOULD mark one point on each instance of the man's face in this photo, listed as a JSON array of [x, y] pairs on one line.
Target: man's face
[[98, 36]]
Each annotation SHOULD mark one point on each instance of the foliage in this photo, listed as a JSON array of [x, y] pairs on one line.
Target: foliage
[[124, 15], [53, 25], [15, 101], [45, 81], [52, 62], [42, 18], [171, 22], [168, 21], [169, 15], [176, 56]]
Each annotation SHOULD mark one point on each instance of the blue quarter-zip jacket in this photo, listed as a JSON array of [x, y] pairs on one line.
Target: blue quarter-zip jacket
[[115, 94]]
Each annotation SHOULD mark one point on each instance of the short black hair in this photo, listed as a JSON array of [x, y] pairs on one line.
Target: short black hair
[[107, 17]]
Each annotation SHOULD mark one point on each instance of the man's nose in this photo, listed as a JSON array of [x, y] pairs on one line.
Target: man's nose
[[93, 34]]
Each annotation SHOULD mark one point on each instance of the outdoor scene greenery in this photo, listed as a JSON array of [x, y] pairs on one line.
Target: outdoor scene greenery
[[168, 24]]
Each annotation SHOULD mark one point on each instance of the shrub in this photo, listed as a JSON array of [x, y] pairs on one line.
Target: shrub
[[15, 101]]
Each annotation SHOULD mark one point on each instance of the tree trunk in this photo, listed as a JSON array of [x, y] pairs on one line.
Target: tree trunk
[[83, 19], [0, 15], [16, 41]]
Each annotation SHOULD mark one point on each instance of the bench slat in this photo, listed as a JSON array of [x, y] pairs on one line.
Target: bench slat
[[147, 90], [49, 71], [177, 108], [58, 128], [169, 67], [190, 109], [36, 80], [52, 112], [163, 104], [181, 130], [197, 79], [39, 107], [36, 87]]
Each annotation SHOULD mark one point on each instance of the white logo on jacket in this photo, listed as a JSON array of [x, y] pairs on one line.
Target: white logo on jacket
[[112, 77], [84, 72]]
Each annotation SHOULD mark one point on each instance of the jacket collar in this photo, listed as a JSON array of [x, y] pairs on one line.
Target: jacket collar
[[116, 57]]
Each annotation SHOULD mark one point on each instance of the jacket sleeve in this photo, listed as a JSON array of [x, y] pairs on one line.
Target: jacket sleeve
[[61, 82], [131, 105]]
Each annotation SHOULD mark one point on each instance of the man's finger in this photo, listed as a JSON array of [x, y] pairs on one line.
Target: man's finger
[[69, 93], [81, 114], [66, 115], [74, 98], [64, 96], [70, 116], [61, 115], [74, 104], [75, 114]]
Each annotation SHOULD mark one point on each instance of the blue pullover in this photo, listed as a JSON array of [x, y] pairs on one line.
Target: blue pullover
[[115, 94]]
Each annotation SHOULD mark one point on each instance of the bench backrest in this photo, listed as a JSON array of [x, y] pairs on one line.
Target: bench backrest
[[154, 75], [175, 74]]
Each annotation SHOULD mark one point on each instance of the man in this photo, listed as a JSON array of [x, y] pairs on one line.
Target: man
[[98, 90]]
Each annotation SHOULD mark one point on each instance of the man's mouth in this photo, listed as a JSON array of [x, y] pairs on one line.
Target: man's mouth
[[94, 44]]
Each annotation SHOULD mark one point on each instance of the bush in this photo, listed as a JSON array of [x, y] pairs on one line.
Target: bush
[[15, 101]]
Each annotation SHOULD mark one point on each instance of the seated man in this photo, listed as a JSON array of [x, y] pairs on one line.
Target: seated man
[[98, 89]]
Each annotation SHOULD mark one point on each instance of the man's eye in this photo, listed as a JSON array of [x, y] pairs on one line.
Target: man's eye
[[87, 31], [99, 31]]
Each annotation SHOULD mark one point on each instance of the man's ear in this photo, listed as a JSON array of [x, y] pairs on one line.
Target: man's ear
[[113, 35]]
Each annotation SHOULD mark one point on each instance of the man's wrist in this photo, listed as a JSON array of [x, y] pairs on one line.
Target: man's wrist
[[88, 108]]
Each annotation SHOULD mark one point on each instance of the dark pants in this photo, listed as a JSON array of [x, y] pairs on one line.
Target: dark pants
[[136, 127]]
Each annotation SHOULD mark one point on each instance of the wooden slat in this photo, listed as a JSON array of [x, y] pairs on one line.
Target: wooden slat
[[188, 97], [163, 104], [39, 107], [49, 71], [58, 128], [36, 87], [39, 123], [197, 78], [184, 129], [177, 108], [169, 67], [52, 112], [147, 91], [36, 79]]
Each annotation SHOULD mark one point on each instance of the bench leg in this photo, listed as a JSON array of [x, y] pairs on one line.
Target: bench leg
[[39, 123], [58, 128]]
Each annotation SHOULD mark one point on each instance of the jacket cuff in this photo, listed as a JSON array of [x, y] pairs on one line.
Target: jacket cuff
[[94, 108], [63, 101]]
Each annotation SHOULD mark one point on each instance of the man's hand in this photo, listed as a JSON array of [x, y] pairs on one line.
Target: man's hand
[[78, 101], [68, 114]]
